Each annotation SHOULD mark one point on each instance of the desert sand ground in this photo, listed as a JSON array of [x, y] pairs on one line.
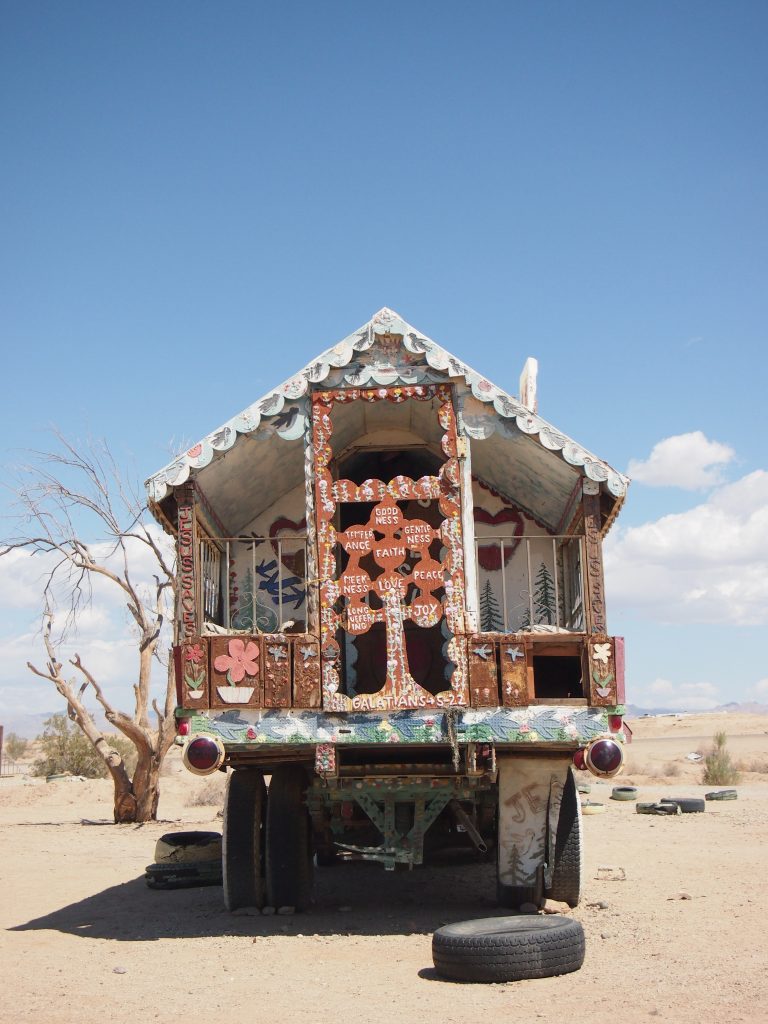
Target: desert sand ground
[[681, 938]]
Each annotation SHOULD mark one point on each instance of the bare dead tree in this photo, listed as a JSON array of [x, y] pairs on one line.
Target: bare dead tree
[[61, 497]]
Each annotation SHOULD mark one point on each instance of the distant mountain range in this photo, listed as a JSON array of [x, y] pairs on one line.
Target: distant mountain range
[[748, 708]]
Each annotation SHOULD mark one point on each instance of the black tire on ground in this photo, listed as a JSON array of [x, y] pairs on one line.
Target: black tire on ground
[[181, 847], [289, 867], [568, 857], [689, 805], [242, 849], [168, 875], [663, 807], [722, 794], [508, 948]]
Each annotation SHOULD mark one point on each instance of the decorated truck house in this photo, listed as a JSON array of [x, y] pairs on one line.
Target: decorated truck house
[[391, 606]]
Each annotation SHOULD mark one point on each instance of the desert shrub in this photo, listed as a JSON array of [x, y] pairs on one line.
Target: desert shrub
[[756, 764], [210, 793], [719, 769], [66, 750], [15, 746], [671, 770]]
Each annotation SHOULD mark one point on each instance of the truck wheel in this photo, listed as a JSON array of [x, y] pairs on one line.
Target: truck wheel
[[508, 948], [244, 807], [569, 854], [289, 840]]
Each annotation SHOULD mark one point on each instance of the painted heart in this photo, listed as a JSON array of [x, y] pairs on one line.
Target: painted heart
[[489, 555], [284, 529]]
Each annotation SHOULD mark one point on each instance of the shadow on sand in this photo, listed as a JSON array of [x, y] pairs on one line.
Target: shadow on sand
[[357, 898]]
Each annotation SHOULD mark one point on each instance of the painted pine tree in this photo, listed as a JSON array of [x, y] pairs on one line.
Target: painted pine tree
[[544, 596], [491, 619]]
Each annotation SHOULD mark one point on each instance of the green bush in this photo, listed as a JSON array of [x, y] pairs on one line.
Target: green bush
[[67, 750], [14, 746], [719, 769]]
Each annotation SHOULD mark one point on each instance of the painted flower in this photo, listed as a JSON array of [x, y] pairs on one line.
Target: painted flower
[[393, 738], [241, 661], [194, 653], [601, 652], [251, 734]]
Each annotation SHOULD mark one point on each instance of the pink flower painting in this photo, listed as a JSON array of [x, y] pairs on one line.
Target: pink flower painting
[[242, 660]]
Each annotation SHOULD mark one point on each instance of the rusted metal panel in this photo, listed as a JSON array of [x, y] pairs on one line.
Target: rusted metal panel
[[306, 672], [277, 671], [595, 590], [236, 671], [193, 664], [483, 673], [601, 669], [514, 657]]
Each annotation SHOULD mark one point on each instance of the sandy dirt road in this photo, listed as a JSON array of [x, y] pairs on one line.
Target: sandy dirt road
[[683, 937]]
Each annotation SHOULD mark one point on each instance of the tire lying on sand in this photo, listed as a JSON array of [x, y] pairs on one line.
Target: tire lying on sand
[[688, 805], [183, 876], [508, 948], [183, 847], [722, 794], [624, 793], [184, 859], [592, 807], [663, 807]]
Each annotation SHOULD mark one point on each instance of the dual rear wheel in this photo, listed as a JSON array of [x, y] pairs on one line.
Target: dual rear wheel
[[267, 847]]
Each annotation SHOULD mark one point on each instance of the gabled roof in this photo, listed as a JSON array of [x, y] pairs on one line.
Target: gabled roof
[[371, 356]]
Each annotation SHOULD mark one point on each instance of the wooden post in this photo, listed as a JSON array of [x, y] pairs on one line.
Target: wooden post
[[595, 584], [189, 583]]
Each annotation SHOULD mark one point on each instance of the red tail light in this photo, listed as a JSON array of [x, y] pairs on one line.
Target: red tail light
[[204, 755], [604, 758], [183, 727]]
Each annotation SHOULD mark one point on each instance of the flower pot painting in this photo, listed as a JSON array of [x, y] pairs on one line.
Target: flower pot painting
[[241, 666], [195, 674], [235, 694]]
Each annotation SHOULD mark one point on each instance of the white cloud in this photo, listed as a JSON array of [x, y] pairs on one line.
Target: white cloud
[[687, 696], [105, 634], [759, 691], [706, 565], [690, 461]]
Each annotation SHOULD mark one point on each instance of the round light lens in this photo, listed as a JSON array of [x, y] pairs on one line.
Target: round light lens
[[204, 755], [578, 760], [604, 758]]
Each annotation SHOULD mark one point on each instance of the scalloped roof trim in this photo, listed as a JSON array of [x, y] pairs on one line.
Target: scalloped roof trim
[[386, 321]]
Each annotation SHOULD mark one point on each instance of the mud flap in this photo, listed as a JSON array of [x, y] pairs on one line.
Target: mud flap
[[530, 793]]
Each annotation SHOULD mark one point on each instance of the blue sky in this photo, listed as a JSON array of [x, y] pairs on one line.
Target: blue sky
[[217, 192]]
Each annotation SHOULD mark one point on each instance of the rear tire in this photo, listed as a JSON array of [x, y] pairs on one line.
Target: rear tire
[[568, 862], [242, 859], [289, 867]]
